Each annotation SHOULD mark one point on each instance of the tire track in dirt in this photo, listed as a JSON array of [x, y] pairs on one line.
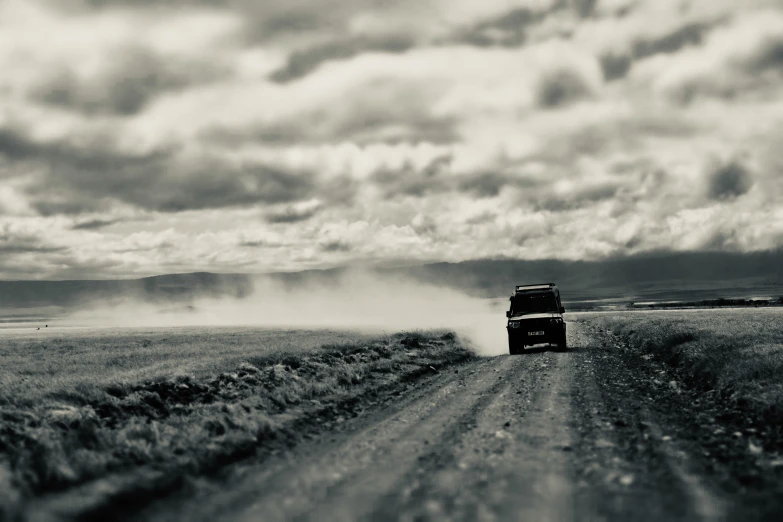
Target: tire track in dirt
[[703, 501], [629, 468], [394, 452], [510, 465]]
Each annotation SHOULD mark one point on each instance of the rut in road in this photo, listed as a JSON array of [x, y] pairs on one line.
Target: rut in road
[[511, 464], [506, 438]]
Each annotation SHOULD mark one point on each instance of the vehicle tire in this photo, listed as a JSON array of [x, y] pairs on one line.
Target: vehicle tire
[[515, 349], [562, 346]]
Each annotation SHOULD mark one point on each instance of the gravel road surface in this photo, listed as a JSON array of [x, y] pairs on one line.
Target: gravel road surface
[[545, 435]]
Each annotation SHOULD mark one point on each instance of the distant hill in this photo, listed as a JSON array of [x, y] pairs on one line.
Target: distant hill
[[651, 276], [164, 288], [701, 275]]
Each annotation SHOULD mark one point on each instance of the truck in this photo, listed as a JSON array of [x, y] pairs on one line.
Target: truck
[[535, 316]]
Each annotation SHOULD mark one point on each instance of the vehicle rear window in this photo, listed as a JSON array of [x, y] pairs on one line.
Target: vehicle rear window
[[524, 304]]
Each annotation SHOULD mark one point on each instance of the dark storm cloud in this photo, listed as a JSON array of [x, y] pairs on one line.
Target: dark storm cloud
[[327, 28], [621, 135], [484, 185], [769, 56], [270, 21], [583, 8], [436, 178], [335, 246], [60, 264], [721, 240], [409, 181], [157, 247], [489, 184], [300, 63], [690, 34], [748, 71], [617, 65], [98, 223], [266, 20], [66, 202], [511, 28], [70, 179], [288, 22], [15, 242], [133, 78], [76, 179], [256, 244], [425, 226], [270, 134], [580, 198], [94, 224], [729, 181], [103, 4], [379, 108], [402, 120], [482, 219], [218, 185], [28, 249], [561, 87], [291, 214], [14, 146], [507, 30], [73, 179]]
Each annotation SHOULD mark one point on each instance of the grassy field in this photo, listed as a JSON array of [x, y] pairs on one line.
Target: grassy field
[[82, 405], [56, 362], [736, 354]]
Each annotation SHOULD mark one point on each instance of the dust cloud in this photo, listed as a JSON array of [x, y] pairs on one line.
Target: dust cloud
[[354, 301]]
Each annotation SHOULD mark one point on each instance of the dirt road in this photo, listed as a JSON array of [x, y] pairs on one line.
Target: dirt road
[[541, 436]]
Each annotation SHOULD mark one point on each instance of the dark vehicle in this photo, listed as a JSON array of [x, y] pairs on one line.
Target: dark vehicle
[[535, 317]]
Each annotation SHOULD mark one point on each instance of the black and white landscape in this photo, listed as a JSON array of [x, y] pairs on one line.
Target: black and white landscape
[[255, 259]]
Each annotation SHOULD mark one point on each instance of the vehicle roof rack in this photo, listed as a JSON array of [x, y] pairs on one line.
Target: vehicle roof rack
[[529, 288]]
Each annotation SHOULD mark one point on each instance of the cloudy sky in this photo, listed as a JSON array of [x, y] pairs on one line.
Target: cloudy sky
[[243, 136]]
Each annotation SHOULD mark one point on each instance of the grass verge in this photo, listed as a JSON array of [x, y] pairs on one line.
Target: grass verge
[[189, 425], [736, 355]]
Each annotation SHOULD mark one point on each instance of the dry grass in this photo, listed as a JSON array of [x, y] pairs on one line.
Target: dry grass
[[35, 364], [78, 408], [737, 354]]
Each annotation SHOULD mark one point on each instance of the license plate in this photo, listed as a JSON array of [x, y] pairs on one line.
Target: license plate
[[535, 333]]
